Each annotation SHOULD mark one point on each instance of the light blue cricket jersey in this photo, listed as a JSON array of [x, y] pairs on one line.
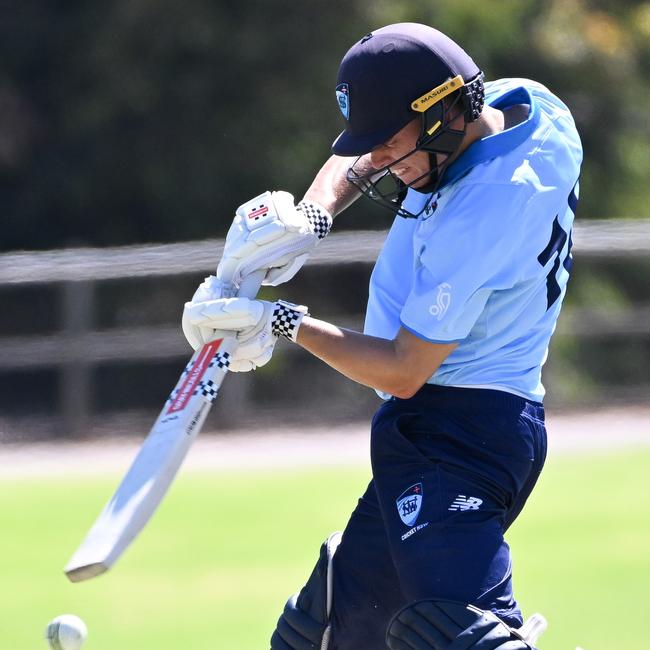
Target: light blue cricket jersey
[[487, 264]]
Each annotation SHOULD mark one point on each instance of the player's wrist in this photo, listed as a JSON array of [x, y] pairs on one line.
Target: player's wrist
[[320, 218], [287, 318]]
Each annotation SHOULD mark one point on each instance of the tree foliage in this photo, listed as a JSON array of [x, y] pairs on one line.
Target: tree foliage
[[151, 120]]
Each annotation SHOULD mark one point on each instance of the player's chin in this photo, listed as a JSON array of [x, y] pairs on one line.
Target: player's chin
[[420, 179]]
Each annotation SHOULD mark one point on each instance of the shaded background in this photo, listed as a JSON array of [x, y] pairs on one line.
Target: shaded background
[[150, 121], [141, 121]]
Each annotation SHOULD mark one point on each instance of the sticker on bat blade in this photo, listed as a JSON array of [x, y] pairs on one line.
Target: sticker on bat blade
[[196, 419], [194, 376], [168, 419]]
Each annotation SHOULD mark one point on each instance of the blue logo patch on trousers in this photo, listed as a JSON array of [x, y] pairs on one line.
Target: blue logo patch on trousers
[[409, 504]]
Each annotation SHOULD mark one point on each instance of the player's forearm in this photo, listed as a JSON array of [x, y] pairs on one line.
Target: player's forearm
[[368, 360], [331, 189]]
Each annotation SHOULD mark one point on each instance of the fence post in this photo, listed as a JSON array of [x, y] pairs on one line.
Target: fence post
[[75, 390]]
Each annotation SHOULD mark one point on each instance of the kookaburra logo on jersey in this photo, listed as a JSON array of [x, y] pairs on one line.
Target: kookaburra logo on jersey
[[343, 98], [409, 504], [443, 299]]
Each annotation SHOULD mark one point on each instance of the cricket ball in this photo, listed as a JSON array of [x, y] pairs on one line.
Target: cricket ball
[[66, 632]]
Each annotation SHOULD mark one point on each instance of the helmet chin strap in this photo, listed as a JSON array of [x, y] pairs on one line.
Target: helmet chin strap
[[436, 138], [446, 143]]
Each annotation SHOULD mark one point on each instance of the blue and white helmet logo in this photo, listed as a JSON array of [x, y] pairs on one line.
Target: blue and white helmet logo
[[409, 504], [343, 98]]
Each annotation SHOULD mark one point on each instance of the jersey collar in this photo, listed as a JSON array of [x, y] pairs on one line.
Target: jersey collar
[[498, 144]]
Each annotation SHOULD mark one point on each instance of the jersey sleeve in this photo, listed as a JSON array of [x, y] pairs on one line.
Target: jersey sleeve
[[461, 259]]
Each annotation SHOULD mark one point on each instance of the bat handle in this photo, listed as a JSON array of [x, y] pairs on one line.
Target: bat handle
[[251, 284]]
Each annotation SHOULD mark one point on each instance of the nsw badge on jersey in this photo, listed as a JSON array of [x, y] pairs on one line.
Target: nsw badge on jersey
[[343, 98], [409, 504]]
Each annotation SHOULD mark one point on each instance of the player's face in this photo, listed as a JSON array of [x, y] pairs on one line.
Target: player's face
[[403, 142]]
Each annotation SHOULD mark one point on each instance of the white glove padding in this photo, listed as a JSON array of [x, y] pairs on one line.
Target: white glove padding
[[210, 289], [249, 320], [270, 233], [256, 324]]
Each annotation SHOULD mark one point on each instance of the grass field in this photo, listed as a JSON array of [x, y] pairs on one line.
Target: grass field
[[214, 567]]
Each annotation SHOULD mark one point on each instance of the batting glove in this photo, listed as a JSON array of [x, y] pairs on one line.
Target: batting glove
[[257, 324], [210, 289], [270, 233]]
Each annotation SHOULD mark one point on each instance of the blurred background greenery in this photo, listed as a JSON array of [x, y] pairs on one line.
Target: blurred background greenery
[[150, 121], [142, 121]]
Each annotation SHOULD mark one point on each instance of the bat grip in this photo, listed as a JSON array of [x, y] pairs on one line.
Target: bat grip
[[251, 284]]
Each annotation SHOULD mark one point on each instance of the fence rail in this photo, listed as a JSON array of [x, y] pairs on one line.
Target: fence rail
[[76, 349], [596, 239]]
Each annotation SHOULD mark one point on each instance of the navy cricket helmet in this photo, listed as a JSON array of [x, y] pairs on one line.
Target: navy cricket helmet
[[392, 76]]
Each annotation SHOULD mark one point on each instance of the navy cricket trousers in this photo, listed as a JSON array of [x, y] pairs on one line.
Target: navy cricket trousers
[[452, 469]]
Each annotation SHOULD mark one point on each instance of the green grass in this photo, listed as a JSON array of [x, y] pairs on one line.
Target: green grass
[[214, 567]]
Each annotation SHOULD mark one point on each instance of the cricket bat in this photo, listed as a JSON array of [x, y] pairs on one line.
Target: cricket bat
[[161, 455]]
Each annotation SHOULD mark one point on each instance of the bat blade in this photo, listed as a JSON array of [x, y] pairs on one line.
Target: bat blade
[[156, 464]]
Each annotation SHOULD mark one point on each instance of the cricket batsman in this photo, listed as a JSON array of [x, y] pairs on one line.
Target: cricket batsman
[[463, 299]]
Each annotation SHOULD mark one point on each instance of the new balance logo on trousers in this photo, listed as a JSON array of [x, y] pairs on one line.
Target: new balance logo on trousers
[[461, 502]]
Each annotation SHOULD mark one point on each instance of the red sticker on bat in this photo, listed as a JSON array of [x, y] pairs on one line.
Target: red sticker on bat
[[194, 376]]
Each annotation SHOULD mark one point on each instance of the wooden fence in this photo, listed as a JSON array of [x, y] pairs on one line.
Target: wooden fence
[[76, 348]]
